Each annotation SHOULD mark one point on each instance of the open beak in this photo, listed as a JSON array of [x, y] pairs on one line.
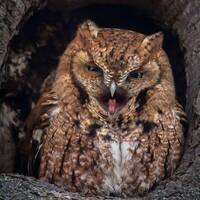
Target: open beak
[[113, 88], [113, 98], [112, 104]]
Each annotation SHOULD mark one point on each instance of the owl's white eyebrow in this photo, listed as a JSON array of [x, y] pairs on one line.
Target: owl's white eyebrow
[[83, 57]]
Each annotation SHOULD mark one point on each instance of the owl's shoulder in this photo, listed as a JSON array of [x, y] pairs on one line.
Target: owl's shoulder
[[35, 128]]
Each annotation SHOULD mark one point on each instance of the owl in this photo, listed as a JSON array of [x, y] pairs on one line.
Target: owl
[[108, 123]]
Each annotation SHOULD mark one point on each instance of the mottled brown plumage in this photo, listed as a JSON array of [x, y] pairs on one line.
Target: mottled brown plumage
[[109, 124]]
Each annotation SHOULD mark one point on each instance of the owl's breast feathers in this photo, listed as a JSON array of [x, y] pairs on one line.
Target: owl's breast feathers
[[89, 156]]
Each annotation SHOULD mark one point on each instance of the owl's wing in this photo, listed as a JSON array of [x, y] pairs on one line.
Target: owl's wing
[[180, 113], [34, 128]]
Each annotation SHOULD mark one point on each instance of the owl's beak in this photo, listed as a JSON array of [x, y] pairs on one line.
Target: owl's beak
[[113, 98], [113, 88]]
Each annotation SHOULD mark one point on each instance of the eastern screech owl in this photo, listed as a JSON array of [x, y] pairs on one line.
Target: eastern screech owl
[[109, 124]]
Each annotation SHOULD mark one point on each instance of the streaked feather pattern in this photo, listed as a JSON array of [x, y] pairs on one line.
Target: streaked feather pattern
[[90, 141]]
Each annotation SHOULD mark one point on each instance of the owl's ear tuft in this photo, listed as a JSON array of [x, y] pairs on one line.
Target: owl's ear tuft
[[153, 42], [93, 28], [88, 28]]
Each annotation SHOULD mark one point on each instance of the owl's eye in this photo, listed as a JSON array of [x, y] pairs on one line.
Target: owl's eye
[[94, 69], [136, 75]]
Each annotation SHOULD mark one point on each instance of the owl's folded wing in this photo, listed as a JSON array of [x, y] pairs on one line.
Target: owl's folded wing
[[35, 128]]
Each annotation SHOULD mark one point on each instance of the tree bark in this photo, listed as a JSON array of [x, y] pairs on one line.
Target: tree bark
[[183, 18], [18, 187], [13, 14]]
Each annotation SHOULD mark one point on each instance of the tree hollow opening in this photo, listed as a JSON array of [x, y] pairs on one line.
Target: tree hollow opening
[[35, 52]]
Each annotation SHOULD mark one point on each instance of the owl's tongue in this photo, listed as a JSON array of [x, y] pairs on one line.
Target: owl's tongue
[[112, 105]]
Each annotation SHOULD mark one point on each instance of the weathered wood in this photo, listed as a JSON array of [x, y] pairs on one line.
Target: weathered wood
[[183, 18], [22, 188]]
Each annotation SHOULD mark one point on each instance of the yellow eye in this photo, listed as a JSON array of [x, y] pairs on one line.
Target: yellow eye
[[136, 75]]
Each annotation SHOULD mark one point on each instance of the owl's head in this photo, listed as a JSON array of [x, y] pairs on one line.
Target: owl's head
[[113, 66]]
